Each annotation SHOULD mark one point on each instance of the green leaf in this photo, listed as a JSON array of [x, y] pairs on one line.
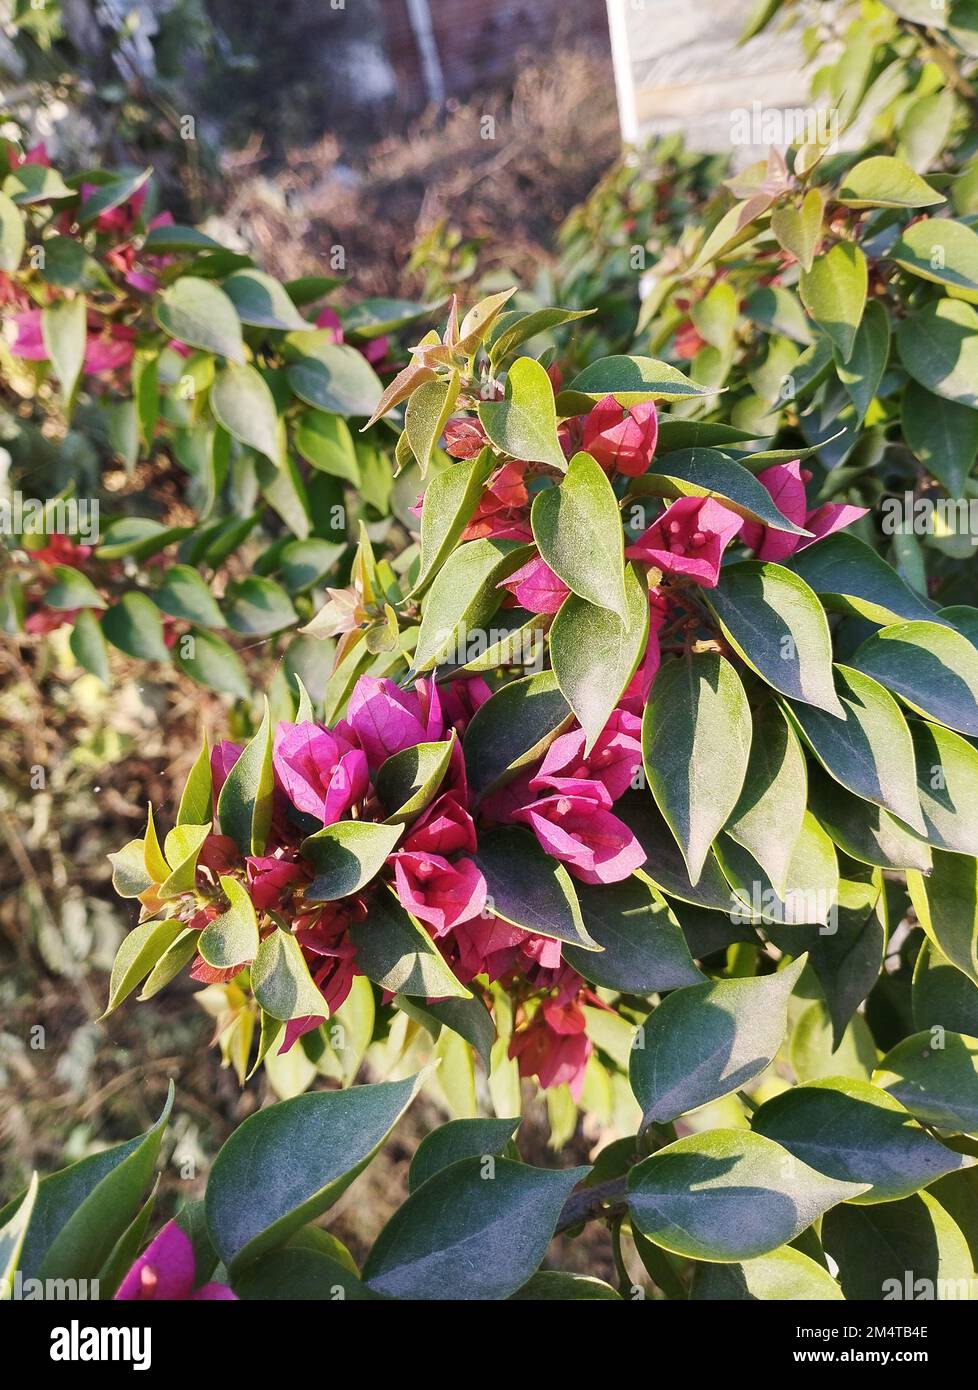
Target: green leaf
[[64, 329], [231, 938], [12, 237], [520, 328], [139, 952], [524, 423], [409, 780], [857, 1133], [946, 904], [593, 687], [88, 645], [630, 380], [834, 293], [932, 668], [909, 1249], [165, 239], [938, 345], [260, 300], [397, 953], [813, 1053], [768, 815], [643, 949], [181, 850], [325, 441], [243, 404], [776, 310], [513, 729], [138, 537], [449, 501], [696, 737], [130, 877], [212, 663], [847, 959], [299, 1274], [258, 606], [776, 624], [347, 856], [464, 597], [556, 1286], [72, 589], [939, 249], [811, 882], [333, 376], [664, 863], [942, 434], [183, 594], [849, 577], [947, 785], [469, 1018], [287, 1164], [708, 473], [305, 563], [935, 1075], [196, 312], [884, 182], [707, 1040], [81, 1212], [111, 194], [281, 980], [863, 373], [797, 229], [942, 996], [783, 1275], [577, 527], [528, 888], [12, 1235], [426, 415], [461, 1235], [244, 806], [456, 1140], [36, 183], [728, 1195], [134, 626], [869, 751]]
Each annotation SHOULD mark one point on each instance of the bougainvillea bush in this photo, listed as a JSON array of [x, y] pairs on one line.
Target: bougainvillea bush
[[183, 470], [657, 754]]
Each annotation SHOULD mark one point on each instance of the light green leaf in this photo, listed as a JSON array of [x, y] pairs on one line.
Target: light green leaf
[[708, 473], [834, 293], [932, 668], [768, 816], [524, 423], [244, 806], [408, 781], [696, 737], [946, 904], [262, 301], [577, 527], [885, 182], [64, 329], [707, 1040], [630, 380], [281, 980], [332, 376], [347, 856], [947, 785], [243, 404], [935, 1077], [231, 938], [943, 435], [196, 312], [728, 1195], [907, 1249], [938, 345], [595, 654], [797, 229], [463, 597], [775, 622]]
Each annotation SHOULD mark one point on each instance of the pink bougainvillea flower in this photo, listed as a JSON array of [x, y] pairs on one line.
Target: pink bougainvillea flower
[[384, 718], [166, 1272], [444, 828], [622, 441], [45, 620], [637, 691], [219, 853], [461, 698], [328, 318], [688, 539], [320, 774], [687, 341], [437, 891], [503, 509], [224, 755], [108, 346], [536, 587], [554, 1047], [61, 550], [464, 438], [786, 484], [612, 761], [269, 878], [576, 826]]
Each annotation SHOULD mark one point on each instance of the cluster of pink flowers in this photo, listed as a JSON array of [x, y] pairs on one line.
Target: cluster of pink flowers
[[323, 776]]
